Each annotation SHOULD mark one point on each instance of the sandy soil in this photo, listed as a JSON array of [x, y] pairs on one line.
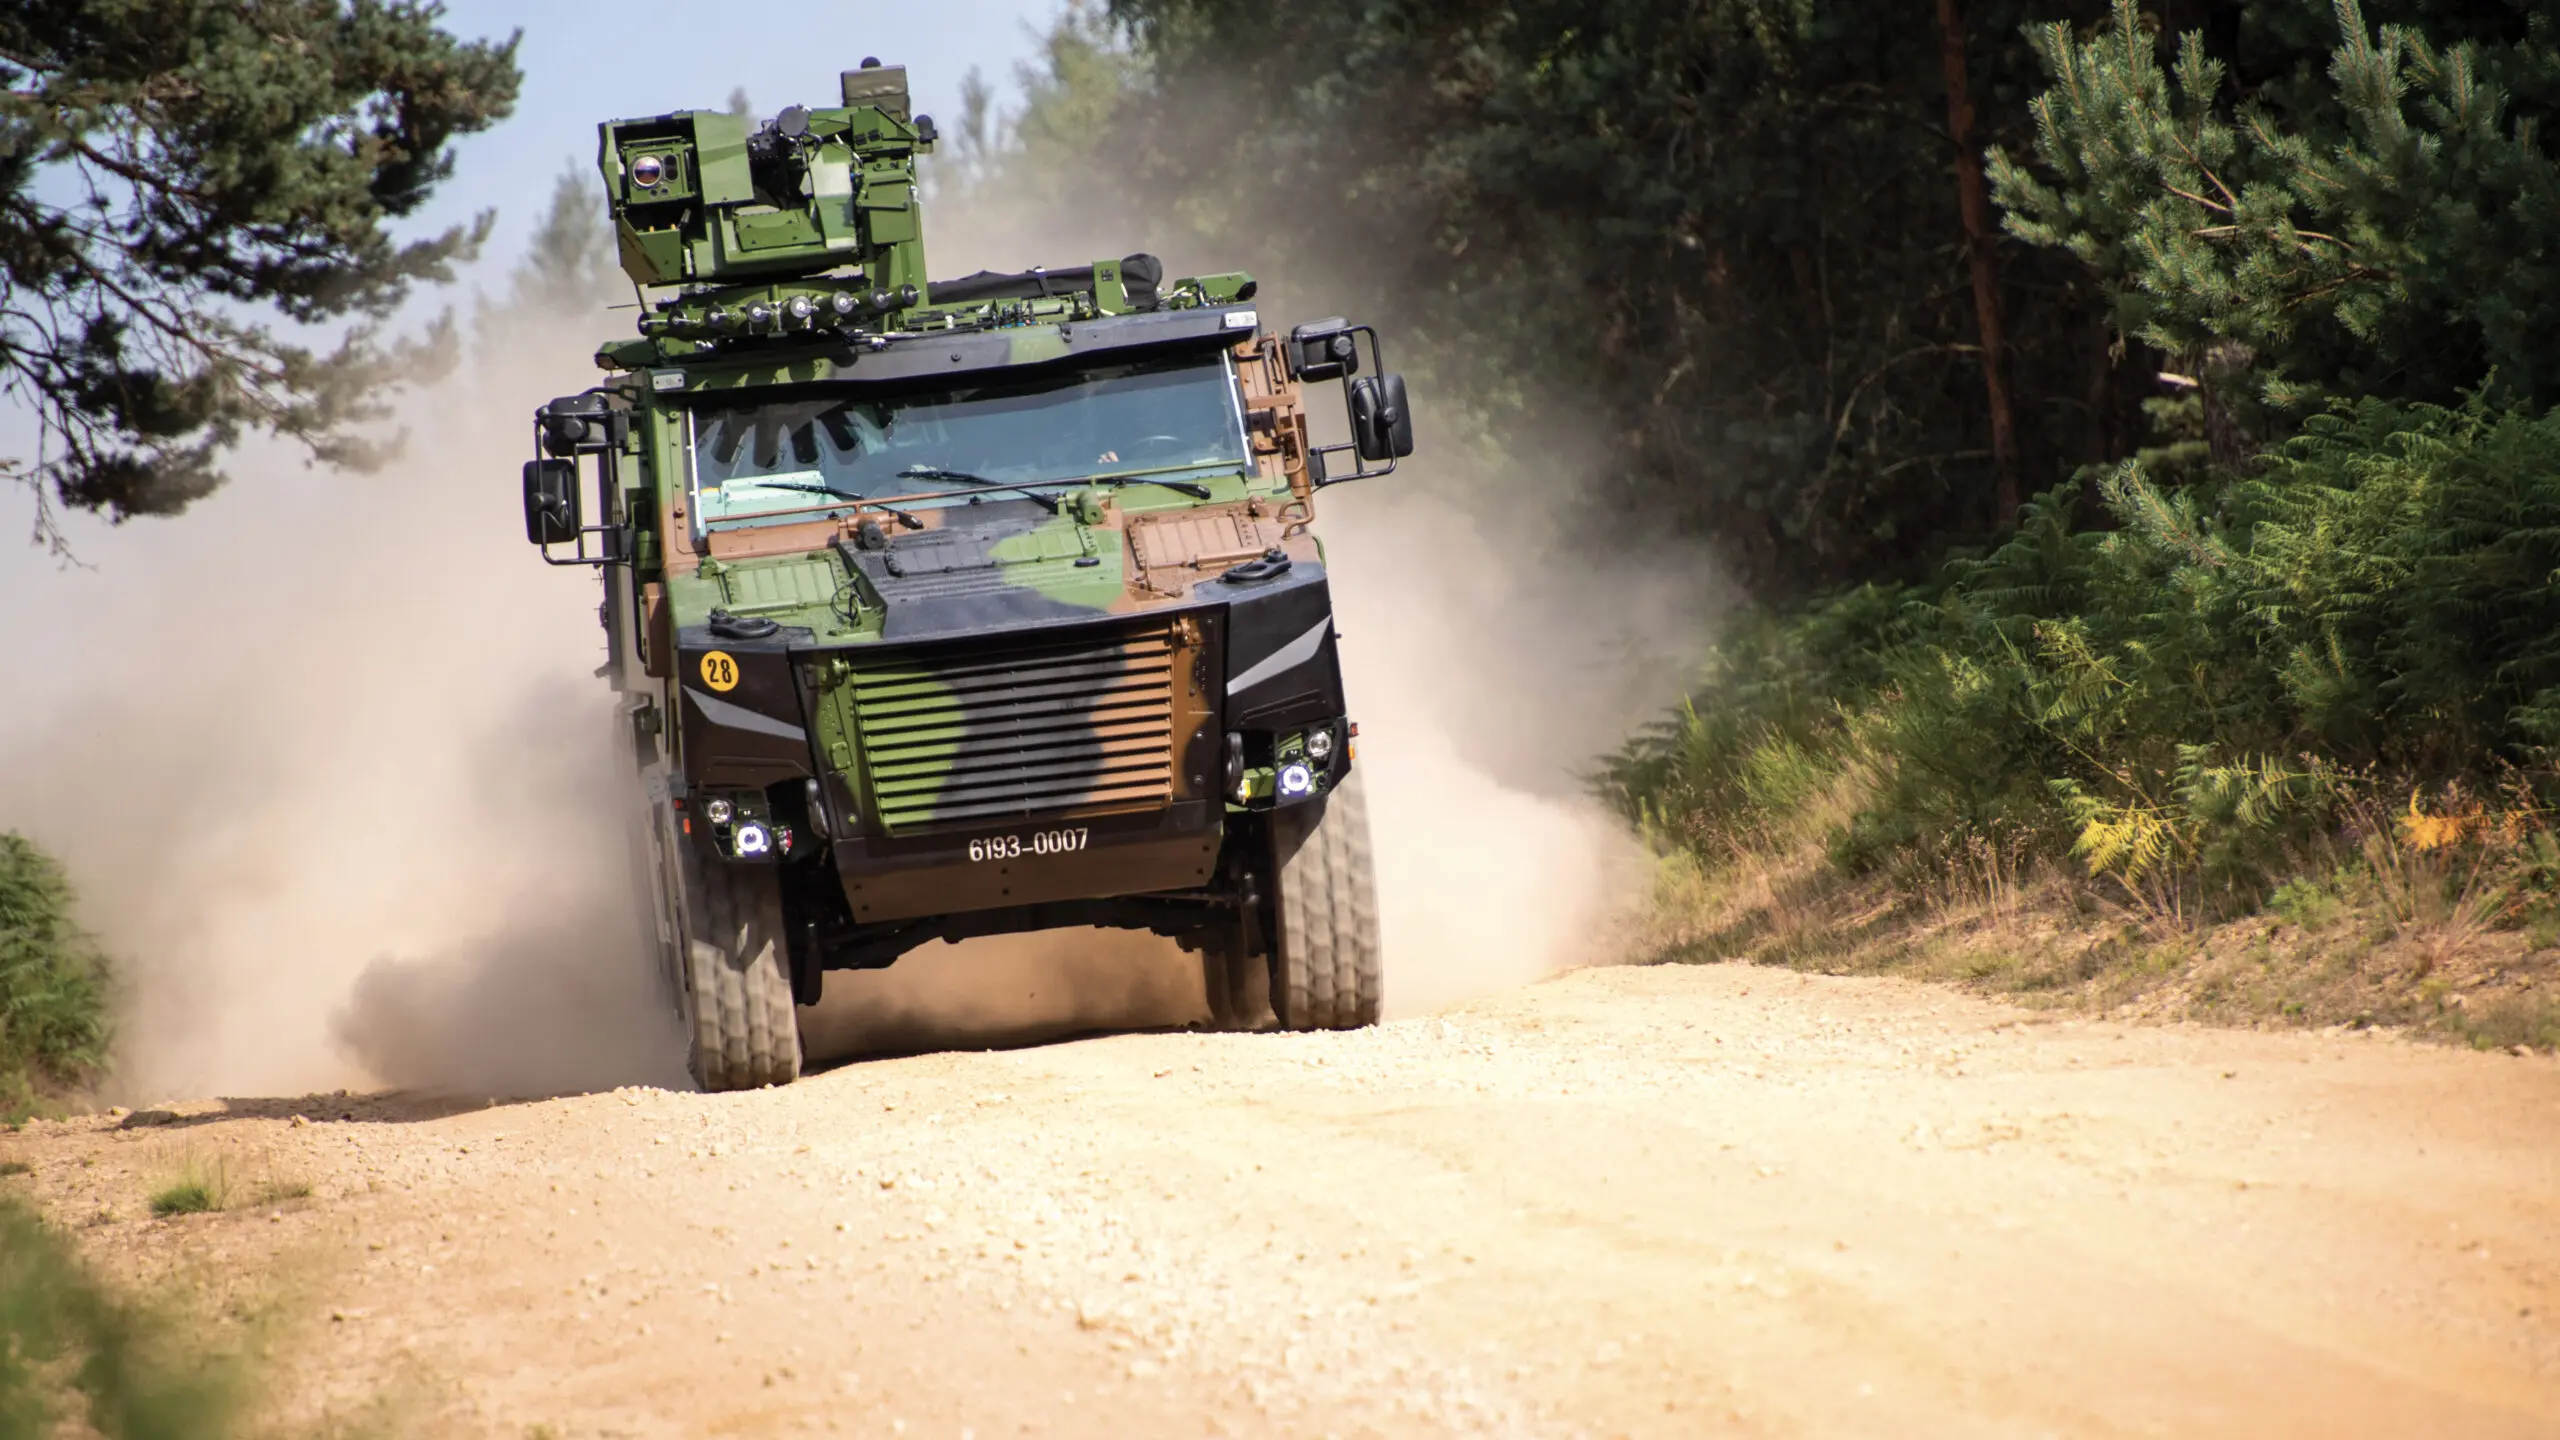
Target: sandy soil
[[1651, 1202]]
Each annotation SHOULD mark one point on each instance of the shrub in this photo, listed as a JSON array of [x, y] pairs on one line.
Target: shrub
[[53, 980], [2190, 702]]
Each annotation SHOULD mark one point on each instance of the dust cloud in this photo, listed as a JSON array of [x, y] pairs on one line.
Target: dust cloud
[[1495, 639], [1003, 991], [1486, 668], [328, 762]]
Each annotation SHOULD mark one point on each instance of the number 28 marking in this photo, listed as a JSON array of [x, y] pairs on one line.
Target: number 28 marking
[[1014, 847], [719, 671]]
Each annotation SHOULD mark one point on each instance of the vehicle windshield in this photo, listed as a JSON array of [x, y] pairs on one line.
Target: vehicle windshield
[[756, 457]]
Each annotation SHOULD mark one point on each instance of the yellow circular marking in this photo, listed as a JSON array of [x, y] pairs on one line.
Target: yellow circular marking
[[719, 671]]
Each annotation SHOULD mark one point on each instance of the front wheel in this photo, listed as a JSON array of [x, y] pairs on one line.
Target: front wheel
[[741, 1028], [1325, 972], [1236, 976]]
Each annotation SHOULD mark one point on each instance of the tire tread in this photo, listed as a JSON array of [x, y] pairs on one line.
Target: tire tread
[[746, 1031], [1326, 962]]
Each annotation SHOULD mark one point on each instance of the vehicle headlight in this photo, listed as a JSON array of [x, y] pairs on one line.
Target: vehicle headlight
[[754, 839], [717, 810], [1296, 778], [1320, 745]]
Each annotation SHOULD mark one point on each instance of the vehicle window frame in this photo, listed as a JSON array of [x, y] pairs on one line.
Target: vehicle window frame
[[701, 523]]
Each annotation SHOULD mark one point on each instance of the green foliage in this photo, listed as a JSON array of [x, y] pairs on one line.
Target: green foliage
[[70, 1348], [2180, 702], [2209, 690], [1043, 156], [53, 980], [2305, 902], [1720, 238], [168, 172], [2385, 232]]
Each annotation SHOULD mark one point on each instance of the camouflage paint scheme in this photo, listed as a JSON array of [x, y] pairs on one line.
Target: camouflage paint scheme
[[1113, 680]]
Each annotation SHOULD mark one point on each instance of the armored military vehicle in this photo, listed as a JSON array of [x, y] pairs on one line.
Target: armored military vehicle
[[955, 608]]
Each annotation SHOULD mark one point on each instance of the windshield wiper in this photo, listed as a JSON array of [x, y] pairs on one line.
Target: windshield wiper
[[1032, 488], [905, 520], [981, 482], [800, 485], [1192, 488]]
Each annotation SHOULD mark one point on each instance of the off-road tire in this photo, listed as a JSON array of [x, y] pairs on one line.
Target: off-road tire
[[1324, 958], [742, 1030], [1236, 975]]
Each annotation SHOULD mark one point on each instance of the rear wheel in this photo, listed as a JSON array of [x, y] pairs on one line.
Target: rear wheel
[[741, 1029], [1324, 959]]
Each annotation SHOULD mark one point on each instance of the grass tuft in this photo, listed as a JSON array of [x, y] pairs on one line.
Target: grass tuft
[[199, 1185], [186, 1197]]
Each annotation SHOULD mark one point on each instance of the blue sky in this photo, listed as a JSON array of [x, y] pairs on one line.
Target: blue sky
[[587, 61]]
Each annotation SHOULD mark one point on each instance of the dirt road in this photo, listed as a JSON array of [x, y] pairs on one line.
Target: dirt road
[[1624, 1202]]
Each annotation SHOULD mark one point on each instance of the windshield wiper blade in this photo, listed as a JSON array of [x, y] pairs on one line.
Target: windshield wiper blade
[[1192, 488], [905, 520], [981, 482], [1033, 488]]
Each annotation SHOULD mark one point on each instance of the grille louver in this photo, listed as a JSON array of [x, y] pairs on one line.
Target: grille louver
[[1067, 726]]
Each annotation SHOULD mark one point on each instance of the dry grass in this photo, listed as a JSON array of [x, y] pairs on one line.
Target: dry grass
[[190, 1180], [2388, 931]]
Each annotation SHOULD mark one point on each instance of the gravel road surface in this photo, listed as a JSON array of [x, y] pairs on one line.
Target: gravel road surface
[[1641, 1202]]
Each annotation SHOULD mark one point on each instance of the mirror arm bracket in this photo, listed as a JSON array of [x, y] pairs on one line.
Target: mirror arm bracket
[[1361, 465], [612, 544]]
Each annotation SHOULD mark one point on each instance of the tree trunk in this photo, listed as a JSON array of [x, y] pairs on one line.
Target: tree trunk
[[1973, 198]]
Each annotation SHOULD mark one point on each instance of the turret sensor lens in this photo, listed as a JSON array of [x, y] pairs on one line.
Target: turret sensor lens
[[647, 171]]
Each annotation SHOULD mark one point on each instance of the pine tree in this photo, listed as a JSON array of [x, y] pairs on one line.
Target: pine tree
[[178, 176], [2387, 235], [569, 269]]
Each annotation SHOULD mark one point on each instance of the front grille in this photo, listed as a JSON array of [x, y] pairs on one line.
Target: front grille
[[1081, 724]]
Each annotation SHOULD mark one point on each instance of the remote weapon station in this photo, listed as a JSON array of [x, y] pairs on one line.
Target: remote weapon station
[[954, 608]]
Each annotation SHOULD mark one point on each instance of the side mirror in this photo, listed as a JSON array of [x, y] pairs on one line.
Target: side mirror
[[551, 512], [1381, 421]]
